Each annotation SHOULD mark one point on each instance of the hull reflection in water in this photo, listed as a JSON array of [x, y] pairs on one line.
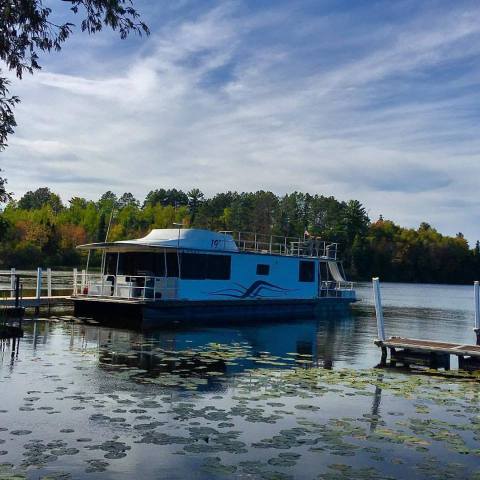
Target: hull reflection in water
[[210, 350]]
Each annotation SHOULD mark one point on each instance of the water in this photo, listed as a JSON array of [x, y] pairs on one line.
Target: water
[[288, 400]]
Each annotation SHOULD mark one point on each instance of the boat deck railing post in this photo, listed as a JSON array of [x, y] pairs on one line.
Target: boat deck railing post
[[476, 329]]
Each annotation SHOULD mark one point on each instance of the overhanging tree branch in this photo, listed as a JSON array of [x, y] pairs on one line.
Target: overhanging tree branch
[[26, 30], [7, 119]]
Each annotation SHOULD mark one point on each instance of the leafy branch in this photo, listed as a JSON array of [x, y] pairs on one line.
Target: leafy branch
[[26, 30]]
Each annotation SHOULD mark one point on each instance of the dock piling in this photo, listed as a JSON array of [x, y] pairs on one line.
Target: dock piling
[[476, 329], [39, 283], [39, 289], [17, 291], [380, 320], [12, 281], [75, 274], [49, 282], [378, 309]]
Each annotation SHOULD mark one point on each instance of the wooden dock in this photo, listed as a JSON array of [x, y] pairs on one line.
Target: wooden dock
[[44, 301], [431, 353], [20, 290]]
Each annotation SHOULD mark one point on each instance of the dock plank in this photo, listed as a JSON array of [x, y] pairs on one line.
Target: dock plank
[[34, 301], [419, 345]]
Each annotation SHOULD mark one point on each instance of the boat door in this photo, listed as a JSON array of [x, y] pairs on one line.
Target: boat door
[[323, 276]]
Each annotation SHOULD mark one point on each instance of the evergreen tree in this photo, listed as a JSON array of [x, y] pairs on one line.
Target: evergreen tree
[[39, 198], [127, 200], [195, 198]]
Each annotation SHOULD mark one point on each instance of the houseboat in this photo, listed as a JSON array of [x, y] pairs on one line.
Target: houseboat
[[200, 275]]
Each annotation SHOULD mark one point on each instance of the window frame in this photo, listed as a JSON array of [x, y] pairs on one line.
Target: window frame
[[263, 266], [306, 276]]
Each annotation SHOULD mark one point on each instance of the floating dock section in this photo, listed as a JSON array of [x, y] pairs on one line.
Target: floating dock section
[[430, 353]]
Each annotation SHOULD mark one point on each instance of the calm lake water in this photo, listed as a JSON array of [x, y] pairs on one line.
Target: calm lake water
[[297, 400]]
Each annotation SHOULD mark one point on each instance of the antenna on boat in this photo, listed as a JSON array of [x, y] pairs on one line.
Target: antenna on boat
[[110, 222], [106, 237], [179, 225]]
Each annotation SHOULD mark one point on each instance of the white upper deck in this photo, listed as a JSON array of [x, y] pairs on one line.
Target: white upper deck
[[198, 239], [189, 238]]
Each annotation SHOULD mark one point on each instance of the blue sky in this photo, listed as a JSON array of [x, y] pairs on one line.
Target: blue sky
[[373, 100]]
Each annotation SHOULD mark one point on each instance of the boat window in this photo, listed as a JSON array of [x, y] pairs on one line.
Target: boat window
[[147, 264], [198, 266], [172, 264], [306, 271], [131, 263], [218, 267], [263, 269], [193, 266]]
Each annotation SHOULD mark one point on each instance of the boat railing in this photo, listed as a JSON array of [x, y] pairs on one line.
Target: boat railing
[[308, 246], [126, 287], [333, 288]]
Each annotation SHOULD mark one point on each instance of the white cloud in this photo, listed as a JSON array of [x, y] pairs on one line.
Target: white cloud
[[214, 102]]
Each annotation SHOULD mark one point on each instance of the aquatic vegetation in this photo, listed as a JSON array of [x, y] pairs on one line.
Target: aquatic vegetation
[[8, 472], [233, 411]]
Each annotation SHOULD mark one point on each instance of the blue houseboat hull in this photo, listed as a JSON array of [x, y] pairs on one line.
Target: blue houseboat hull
[[155, 314]]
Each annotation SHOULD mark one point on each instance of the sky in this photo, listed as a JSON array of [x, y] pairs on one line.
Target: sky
[[373, 100]]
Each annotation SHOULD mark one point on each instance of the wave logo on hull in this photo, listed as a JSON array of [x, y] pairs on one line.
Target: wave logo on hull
[[258, 289]]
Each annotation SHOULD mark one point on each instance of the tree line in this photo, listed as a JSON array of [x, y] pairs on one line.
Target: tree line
[[40, 230]]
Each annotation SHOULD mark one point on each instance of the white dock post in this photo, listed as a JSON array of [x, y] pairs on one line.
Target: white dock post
[[378, 309], [49, 282], [476, 291], [75, 274], [39, 283], [12, 282]]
